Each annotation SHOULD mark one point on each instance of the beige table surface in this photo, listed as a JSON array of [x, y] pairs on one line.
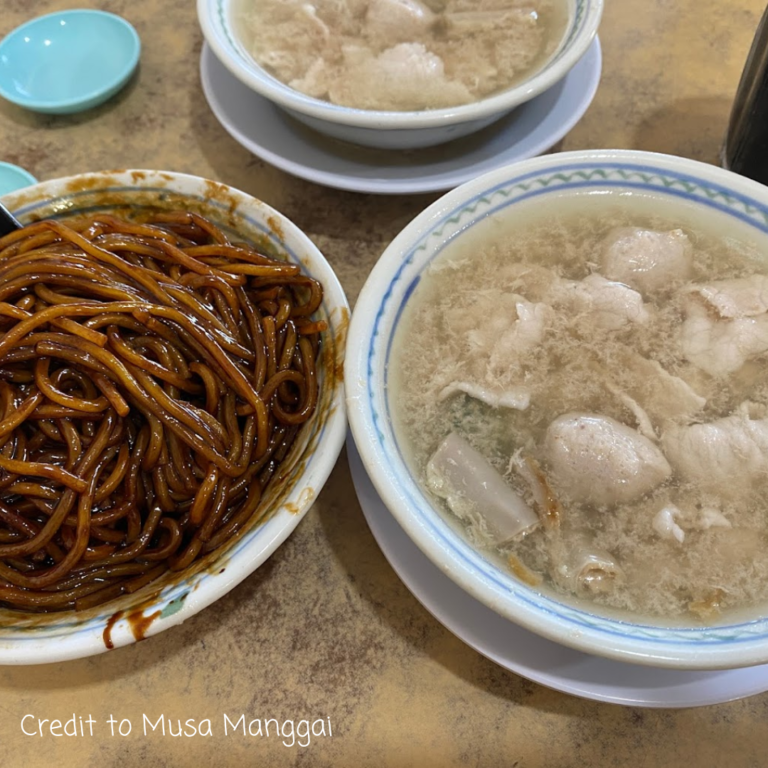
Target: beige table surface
[[325, 629]]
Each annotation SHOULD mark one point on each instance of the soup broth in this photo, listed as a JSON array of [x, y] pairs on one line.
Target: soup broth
[[401, 55], [623, 399]]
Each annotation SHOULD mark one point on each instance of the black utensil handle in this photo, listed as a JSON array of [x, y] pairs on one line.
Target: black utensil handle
[[8, 222], [746, 145]]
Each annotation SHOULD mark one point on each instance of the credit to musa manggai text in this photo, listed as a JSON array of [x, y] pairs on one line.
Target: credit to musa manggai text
[[290, 732]]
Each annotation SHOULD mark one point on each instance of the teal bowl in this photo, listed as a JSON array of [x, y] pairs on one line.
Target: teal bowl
[[67, 61], [12, 177]]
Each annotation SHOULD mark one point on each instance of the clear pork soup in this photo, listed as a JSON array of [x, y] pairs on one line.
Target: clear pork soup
[[401, 55], [585, 396]]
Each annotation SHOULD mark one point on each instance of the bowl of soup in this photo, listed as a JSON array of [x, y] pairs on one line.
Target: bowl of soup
[[556, 381], [398, 74], [172, 403]]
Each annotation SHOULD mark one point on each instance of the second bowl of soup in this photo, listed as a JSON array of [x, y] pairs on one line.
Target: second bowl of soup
[[558, 390], [399, 74]]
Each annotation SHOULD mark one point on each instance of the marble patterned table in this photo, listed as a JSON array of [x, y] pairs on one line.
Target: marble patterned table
[[325, 630]]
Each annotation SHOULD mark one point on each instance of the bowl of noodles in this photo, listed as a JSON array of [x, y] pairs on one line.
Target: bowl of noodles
[[399, 74], [556, 382], [171, 385]]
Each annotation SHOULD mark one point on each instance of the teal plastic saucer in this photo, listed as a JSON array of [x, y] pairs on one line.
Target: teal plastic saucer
[[12, 178], [67, 61]]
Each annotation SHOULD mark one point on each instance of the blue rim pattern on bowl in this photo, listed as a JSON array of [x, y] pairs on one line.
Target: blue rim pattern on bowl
[[171, 599], [222, 22], [570, 175]]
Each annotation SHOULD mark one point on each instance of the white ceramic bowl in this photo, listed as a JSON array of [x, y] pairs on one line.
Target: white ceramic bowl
[[452, 218], [42, 638], [386, 129]]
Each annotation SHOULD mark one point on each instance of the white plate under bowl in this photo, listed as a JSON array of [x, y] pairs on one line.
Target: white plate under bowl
[[527, 654], [269, 133]]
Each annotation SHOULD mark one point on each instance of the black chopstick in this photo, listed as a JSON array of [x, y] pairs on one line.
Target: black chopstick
[[8, 222]]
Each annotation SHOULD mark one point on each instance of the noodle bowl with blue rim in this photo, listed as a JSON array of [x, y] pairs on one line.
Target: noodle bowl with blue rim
[[108, 209]]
